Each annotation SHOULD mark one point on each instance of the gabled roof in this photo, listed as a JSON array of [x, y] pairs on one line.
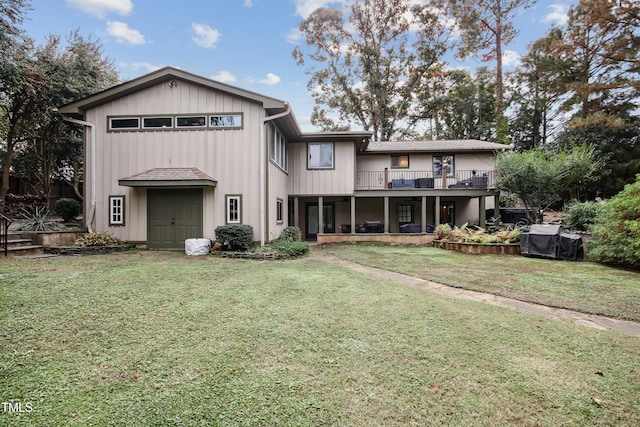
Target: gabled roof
[[441, 146], [287, 124], [164, 74], [169, 177]]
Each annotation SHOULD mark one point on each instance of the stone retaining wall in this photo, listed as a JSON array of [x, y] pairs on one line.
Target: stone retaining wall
[[476, 248]]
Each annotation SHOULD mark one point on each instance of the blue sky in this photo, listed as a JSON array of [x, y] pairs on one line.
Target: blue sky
[[246, 43]]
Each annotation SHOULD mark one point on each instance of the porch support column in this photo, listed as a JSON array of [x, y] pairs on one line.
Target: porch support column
[[353, 214], [320, 215], [437, 212], [296, 212], [423, 219], [496, 206], [483, 211], [386, 214]]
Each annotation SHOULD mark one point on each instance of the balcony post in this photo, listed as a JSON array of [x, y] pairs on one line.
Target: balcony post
[[320, 215], [483, 213], [423, 219], [437, 211], [386, 178], [386, 214], [353, 214]]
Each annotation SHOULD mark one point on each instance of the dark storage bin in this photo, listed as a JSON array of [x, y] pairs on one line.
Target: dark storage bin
[[424, 183]]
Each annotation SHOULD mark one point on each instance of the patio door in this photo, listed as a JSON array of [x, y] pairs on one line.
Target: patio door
[[174, 215], [312, 219]]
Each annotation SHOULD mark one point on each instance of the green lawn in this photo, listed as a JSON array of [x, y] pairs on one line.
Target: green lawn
[[581, 286], [143, 338]]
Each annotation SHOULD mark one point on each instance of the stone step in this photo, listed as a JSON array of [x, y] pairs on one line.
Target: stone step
[[18, 242], [24, 250]]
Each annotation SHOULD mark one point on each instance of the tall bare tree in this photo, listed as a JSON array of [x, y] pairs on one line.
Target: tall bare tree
[[368, 66]]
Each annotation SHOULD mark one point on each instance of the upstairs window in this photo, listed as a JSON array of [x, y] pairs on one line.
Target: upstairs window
[[226, 121], [443, 163], [124, 123], [399, 161], [278, 152], [320, 156], [191, 121], [157, 122]]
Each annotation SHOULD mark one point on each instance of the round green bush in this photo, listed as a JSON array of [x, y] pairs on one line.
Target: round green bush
[[616, 231], [582, 215], [68, 209]]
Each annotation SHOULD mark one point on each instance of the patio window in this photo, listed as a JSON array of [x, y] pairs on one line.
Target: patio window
[[116, 210], [320, 156], [234, 204], [405, 213], [443, 163]]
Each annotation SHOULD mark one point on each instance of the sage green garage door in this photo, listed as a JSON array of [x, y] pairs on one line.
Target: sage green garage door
[[174, 215]]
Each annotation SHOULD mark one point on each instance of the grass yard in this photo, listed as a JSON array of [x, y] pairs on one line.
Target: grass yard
[[144, 338], [581, 286]]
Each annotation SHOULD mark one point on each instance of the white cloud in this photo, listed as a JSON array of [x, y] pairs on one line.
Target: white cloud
[[510, 58], [293, 36], [123, 34], [305, 7], [100, 8], [271, 79], [206, 36], [147, 67], [248, 3], [558, 14], [224, 77]]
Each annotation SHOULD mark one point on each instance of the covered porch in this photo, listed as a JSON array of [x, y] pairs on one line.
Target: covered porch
[[402, 217]]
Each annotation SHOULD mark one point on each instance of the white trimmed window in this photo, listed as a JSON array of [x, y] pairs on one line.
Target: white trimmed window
[[279, 211], [278, 148], [124, 123], [399, 161], [226, 121], [116, 210], [191, 121], [234, 204], [443, 163], [320, 156]]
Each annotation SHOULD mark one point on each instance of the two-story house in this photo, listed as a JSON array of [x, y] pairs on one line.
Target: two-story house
[[172, 155]]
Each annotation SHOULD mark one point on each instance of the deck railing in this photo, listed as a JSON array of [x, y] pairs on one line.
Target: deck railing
[[407, 179], [4, 234]]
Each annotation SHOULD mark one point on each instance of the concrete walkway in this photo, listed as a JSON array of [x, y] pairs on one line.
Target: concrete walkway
[[589, 320]]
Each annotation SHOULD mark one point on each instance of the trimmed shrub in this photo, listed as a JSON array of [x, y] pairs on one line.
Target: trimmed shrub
[[235, 237], [98, 239], [68, 209], [582, 215], [291, 248], [291, 234], [616, 231]]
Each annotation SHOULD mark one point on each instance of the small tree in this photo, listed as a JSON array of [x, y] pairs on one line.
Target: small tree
[[541, 177], [616, 232]]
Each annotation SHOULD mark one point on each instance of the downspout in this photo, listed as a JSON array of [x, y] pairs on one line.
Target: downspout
[[263, 170], [92, 143]]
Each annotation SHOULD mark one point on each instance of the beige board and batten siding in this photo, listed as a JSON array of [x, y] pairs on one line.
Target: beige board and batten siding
[[231, 156], [424, 161], [322, 182], [278, 187]]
